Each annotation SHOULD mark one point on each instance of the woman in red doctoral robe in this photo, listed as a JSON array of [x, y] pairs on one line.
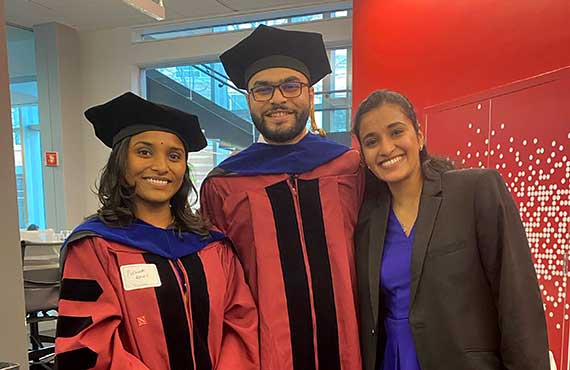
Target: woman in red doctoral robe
[[146, 284]]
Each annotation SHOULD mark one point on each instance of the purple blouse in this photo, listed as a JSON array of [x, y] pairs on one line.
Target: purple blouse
[[400, 351]]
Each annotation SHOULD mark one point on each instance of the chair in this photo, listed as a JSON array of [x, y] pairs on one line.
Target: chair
[[40, 261]]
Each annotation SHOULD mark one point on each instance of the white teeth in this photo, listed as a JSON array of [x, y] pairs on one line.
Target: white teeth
[[392, 161], [279, 114], [157, 181]]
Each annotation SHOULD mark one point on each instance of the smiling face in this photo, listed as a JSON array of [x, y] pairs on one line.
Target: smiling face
[[156, 165], [390, 144], [280, 120]]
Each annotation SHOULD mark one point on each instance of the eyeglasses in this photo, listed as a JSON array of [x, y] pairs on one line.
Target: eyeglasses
[[290, 89]]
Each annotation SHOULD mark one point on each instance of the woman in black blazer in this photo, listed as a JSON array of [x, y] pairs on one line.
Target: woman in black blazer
[[445, 276]]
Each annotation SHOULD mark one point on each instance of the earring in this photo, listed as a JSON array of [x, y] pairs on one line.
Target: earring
[[421, 147]]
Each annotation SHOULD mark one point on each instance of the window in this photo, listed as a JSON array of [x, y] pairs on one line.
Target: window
[[202, 162], [333, 95], [208, 80], [28, 162], [340, 13], [26, 127], [206, 88], [339, 83], [193, 31]]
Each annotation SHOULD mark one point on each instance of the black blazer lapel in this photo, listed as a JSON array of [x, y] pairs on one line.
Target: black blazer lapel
[[430, 202], [377, 231]]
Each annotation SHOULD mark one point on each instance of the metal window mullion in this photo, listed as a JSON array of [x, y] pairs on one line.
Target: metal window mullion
[[325, 116], [23, 147]]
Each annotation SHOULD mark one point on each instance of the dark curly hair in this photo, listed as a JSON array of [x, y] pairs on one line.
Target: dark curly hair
[[380, 97], [117, 196]]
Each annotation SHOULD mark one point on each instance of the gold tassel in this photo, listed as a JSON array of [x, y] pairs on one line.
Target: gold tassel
[[314, 127]]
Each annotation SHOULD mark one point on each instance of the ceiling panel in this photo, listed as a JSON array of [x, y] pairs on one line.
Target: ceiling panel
[[26, 13], [197, 9], [87, 15]]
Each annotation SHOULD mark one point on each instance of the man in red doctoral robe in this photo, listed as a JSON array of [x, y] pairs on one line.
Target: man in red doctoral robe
[[290, 206]]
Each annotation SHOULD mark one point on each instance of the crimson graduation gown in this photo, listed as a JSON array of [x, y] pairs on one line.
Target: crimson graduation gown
[[146, 298], [291, 211]]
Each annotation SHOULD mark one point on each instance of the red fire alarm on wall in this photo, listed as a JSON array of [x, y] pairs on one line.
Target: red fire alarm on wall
[[52, 159]]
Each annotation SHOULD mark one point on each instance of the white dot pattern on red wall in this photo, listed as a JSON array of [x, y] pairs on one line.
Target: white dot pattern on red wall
[[542, 195]]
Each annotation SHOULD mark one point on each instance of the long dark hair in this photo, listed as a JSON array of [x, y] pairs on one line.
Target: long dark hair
[[380, 97], [117, 196]]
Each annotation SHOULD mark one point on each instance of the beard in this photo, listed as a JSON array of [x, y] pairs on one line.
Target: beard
[[281, 133]]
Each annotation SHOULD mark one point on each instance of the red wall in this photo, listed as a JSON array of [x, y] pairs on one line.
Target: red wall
[[435, 51]]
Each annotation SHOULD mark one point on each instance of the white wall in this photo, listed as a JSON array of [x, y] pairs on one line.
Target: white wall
[[111, 63], [59, 87], [71, 112]]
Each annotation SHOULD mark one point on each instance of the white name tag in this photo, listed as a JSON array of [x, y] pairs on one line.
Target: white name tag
[[140, 276]]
